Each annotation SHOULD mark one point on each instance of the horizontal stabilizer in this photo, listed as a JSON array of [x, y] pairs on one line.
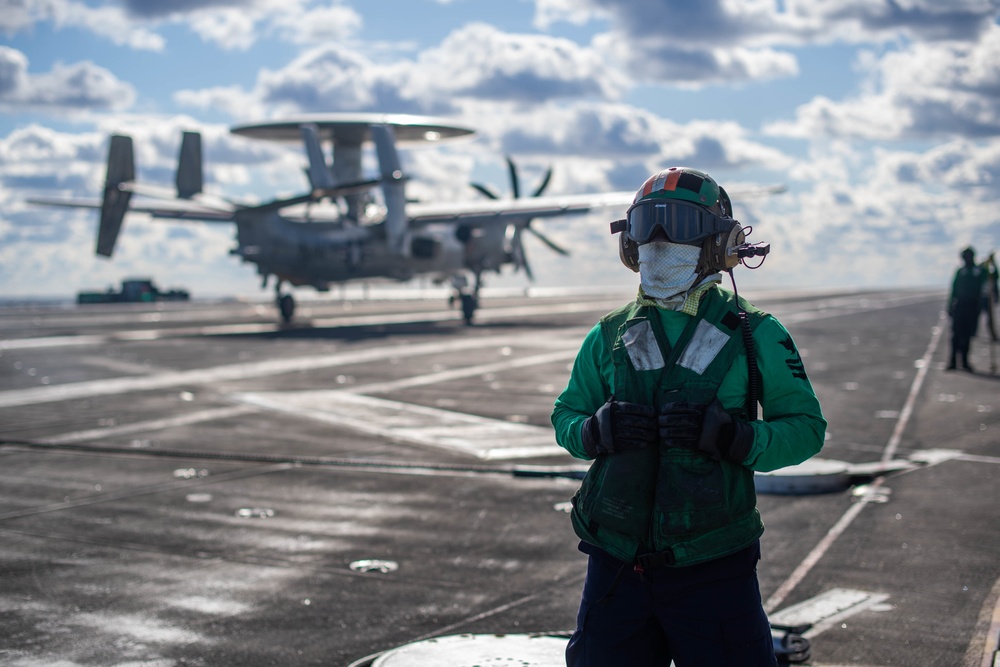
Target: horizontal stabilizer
[[189, 176], [121, 168]]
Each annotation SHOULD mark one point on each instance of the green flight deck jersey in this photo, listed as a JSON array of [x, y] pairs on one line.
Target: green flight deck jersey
[[676, 501]]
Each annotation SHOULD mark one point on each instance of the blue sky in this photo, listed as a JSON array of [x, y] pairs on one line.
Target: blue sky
[[881, 116]]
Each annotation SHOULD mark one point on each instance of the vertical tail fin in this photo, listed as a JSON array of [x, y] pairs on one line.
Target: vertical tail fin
[[392, 187], [319, 174], [121, 169], [189, 179]]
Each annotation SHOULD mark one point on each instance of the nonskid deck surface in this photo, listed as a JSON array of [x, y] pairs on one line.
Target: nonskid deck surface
[[194, 485]]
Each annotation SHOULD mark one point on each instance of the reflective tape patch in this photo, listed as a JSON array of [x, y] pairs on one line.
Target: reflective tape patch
[[642, 348], [703, 347]]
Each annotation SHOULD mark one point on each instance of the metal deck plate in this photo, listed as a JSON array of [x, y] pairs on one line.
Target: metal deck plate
[[813, 476], [472, 650]]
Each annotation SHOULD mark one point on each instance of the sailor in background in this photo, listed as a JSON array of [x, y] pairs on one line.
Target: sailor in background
[[964, 305]]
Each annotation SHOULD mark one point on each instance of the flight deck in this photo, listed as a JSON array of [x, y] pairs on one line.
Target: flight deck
[[194, 484]]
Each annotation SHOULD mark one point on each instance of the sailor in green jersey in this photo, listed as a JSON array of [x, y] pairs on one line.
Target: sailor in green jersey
[[964, 304], [664, 396]]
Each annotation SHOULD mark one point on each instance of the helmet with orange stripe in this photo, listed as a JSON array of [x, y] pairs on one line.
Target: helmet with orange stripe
[[686, 206]]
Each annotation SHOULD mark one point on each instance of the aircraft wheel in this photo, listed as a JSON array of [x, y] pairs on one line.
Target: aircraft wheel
[[469, 304], [286, 304]]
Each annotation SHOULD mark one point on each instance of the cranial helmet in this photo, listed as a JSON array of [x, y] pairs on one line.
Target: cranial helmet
[[685, 184], [685, 206]]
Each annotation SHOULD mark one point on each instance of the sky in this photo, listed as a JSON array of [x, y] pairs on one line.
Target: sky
[[881, 117]]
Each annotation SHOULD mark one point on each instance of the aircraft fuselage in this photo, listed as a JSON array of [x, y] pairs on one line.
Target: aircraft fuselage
[[323, 253]]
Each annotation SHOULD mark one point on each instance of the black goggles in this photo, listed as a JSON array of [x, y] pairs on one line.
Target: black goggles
[[681, 222]]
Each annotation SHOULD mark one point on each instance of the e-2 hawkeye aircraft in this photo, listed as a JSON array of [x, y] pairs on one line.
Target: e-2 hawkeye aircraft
[[337, 232]]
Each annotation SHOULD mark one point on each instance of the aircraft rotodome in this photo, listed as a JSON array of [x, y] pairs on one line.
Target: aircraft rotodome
[[303, 240]]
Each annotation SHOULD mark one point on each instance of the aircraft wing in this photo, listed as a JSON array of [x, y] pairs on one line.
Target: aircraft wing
[[503, 211]]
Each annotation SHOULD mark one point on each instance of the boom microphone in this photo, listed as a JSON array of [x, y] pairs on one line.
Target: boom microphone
[[751, 250]]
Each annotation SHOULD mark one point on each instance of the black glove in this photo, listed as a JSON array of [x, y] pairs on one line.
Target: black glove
[[708, 429], [680, 424], [619, 426]]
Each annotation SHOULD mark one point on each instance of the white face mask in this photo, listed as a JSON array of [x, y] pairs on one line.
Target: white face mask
[[668, 270]]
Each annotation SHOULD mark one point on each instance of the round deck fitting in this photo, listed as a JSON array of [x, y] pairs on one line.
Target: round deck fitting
[[812, 476]]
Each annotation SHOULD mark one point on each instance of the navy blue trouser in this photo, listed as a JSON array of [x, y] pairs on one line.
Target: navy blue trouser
[[705, 615]]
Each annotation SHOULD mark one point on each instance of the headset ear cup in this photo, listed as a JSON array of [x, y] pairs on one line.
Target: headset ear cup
[[715, 251], [736, 238], [628, 252]]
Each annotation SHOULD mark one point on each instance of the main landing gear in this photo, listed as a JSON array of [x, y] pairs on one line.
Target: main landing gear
[[468, 298], [469, 305], [285, 303]]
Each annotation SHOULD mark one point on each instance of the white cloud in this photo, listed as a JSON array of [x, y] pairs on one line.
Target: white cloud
[[726, 41], [868, 218], [229, 24], [239, 26], [625, 133], [871, 117], [685, 43], [549, 12], [108, 22], [476, 62], [320, 24], [231, 100], [925, 90], [482, 62], [228, 28], [885, 20], [18, 15], [324, 77], [67, 88], [39, 160]]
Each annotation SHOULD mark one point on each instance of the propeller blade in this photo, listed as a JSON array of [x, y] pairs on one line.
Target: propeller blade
[[521, 255], [515, 249], [545, 183], [547, 241], [515, 182], [486, 190]]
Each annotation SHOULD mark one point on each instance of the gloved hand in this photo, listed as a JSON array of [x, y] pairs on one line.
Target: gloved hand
[[618, 426], [708, 429], [680, 424]]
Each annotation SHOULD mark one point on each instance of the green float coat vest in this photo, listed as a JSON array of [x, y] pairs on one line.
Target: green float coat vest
[[674, 502]]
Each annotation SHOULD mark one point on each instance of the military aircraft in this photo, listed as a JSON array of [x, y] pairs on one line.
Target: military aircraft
[[338, 231]]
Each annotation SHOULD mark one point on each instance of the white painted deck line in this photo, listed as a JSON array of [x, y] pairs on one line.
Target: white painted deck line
[[403, 422], [826, 609], [149, 425], [855, 509], [467, 371], [256, 369]]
